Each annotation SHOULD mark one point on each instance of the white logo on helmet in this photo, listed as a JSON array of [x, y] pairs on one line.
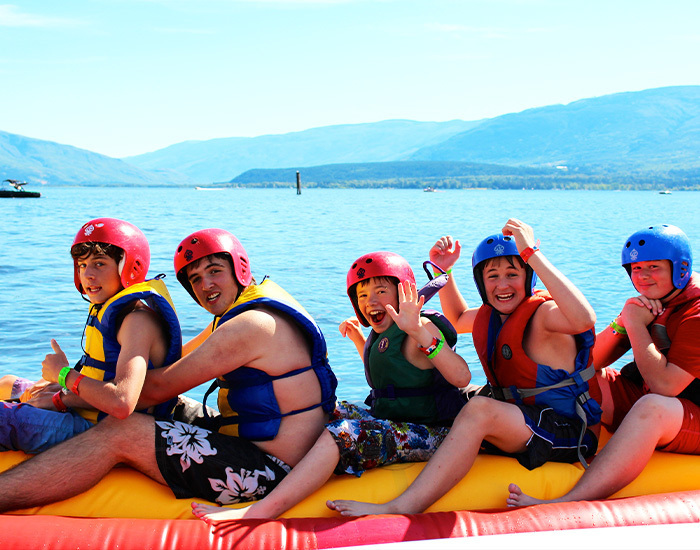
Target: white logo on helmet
[[634, 254], [90, 228], [499, 249]]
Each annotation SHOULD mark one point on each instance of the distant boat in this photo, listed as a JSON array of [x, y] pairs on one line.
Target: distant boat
[[429, 190], [18, 192], [209, 188], [664, 192]]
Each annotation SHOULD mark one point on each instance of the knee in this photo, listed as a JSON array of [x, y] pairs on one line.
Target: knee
[[655, 408], [477, 410]]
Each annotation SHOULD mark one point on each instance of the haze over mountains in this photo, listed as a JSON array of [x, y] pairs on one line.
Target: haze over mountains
[[654, 130]]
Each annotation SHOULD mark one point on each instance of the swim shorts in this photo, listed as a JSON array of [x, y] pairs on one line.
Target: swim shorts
[[32, 430], [367, 442], [625, 392], [554, 438], [220, 468], [688, 439]]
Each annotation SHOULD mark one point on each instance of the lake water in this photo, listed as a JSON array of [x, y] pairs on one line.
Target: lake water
[[306, 243]]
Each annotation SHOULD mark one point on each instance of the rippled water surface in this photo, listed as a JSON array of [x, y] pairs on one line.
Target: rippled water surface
[[307, 243]]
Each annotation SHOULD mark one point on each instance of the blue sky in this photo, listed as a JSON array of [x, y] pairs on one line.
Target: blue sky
[[123, 77]]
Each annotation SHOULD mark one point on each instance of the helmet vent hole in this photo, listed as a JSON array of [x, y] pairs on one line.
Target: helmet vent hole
[[506, 238], [642, 242], [368, 261], [195, 240], [489, 241], [354, 265], [179, 248]]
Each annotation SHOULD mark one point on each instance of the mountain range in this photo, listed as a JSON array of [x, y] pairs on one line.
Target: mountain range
[[647, 132]]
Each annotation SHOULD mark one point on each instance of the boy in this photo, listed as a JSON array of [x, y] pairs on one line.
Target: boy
[[413, 374], [269, 359], [131, 327], [525, 340], [653, 403]]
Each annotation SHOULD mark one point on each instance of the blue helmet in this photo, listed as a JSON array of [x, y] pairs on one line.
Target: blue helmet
[[493, 247], [661, 242]]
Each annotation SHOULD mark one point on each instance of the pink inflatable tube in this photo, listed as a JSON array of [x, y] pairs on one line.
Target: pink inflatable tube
[[53, 532]]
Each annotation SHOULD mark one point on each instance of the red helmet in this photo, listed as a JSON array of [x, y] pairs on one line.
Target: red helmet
[[376, 264], [211, 241], [133, 267]]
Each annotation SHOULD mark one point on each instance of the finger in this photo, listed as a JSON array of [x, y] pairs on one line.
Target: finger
[[343, 328], [392, 312], [56, 348]]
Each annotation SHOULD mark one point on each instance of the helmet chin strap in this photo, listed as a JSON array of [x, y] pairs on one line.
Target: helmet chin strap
[[670, 293]]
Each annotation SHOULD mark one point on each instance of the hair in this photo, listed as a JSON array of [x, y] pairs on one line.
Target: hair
[[511, 259], [81, 250], [382, 278], [219, 256]]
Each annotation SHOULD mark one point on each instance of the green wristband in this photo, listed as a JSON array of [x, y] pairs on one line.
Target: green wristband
[[618, 329], [62, 376], [437, 349]]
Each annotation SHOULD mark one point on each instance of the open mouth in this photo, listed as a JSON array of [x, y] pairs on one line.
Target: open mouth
[[376, 316], [505, 297], [213, 297]]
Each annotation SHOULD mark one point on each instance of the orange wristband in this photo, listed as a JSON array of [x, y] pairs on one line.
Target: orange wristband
[[528, 252], [74, 389]]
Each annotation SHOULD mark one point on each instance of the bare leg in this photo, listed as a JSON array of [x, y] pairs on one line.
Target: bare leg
[[481, 418], [48, 477], [304, 479], [653, 421], [6, 383]]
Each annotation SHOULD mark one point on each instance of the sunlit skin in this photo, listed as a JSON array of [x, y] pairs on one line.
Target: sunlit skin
[[652, 279], [504, 284], [372, 298], [213, 284], [99, 275]]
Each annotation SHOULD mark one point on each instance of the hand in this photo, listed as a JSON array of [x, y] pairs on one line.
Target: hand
[[523, 233], [53, 363], [42, 386], [445, 252], [408, 316], [639, 310], [351, 328], [43, 400]]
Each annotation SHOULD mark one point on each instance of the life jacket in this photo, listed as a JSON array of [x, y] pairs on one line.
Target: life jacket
[[102, 347], [246, 399], [658, 330], [516, 378], [403, 392]]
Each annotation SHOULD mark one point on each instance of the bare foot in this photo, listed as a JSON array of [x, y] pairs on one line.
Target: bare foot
[[517, 498], [213, 515], [356, 508]]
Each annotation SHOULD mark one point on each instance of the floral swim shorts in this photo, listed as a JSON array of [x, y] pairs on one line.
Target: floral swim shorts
[[220, 468], [367, 442]]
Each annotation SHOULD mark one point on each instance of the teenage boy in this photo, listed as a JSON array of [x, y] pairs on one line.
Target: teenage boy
[[131, 327], [525, 340], [276, 389], [655, 401]]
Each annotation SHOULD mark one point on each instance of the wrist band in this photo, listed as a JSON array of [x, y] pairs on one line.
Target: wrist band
[[528, 252], [58, 402], [431, 347], [438, 273], [62, 376], [74, 389], [437, 349], [617, 329]]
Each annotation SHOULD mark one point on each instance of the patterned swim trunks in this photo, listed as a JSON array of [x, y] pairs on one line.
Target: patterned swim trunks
[[220, 468], [367, 442]]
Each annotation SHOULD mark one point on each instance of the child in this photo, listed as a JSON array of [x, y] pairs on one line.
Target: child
[[132, 326], [655, 401], [525, 340], [414, 378]]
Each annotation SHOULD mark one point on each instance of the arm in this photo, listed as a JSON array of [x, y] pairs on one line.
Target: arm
[[445, 253], [573, 313], [422, 331], [662, 376], [350, 328], [117, 397], [236, 343]]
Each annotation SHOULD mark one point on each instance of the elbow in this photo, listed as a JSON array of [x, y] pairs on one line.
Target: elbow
[[584, 322], [122, 410]]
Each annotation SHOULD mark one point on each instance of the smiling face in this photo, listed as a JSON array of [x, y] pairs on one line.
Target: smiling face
[[652, 279], [372, 297], [213, 283], [99, 276], [504, 284]]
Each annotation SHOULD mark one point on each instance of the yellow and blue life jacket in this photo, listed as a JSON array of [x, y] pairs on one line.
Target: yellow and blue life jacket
[[102, 347], [246, 400]]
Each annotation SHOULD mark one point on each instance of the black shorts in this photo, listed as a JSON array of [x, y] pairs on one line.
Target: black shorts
[[554, 438], [220, 468]]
